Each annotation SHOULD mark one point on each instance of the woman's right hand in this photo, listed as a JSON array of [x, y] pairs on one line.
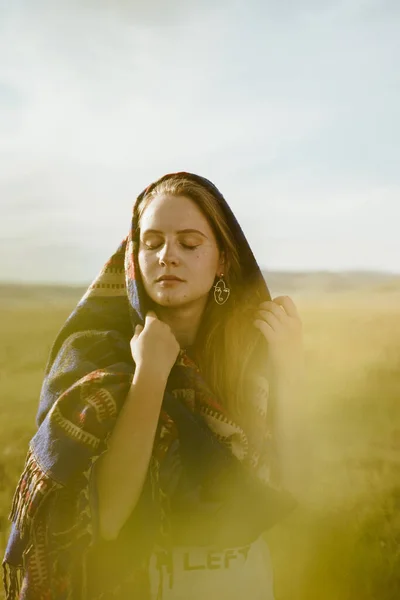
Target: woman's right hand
[[154, 346]]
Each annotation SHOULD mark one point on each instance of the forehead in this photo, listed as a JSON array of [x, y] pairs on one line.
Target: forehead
[[170, 213]]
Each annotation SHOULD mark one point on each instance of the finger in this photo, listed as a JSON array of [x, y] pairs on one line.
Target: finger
[[150, 316], [270, 305], [270, 318], [287, 303], [138, 330], [275, 309], [265, 328]]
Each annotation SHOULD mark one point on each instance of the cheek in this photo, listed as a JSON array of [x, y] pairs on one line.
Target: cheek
[[206, 263], [144, 263]]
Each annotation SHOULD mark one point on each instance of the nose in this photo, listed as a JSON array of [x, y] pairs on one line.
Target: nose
[[168, 255]]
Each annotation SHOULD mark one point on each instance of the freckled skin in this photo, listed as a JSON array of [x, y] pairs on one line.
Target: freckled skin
[[193, 257]]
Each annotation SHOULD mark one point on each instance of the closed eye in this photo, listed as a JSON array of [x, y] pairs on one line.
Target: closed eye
[[186, 246]]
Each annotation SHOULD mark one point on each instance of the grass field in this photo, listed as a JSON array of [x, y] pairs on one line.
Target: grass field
[[344, 541]]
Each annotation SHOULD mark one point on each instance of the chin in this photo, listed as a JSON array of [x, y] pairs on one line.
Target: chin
[[171, 301], [174, 301]]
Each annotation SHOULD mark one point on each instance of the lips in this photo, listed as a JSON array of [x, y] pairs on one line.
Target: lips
[[168, 278]]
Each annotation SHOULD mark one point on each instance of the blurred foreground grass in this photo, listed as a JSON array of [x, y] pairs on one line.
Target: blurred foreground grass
[[344, 543]]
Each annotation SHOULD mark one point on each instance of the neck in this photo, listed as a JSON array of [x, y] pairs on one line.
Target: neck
[[184, 322]]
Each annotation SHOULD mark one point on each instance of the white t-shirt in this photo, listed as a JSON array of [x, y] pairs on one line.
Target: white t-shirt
[[199, 573]]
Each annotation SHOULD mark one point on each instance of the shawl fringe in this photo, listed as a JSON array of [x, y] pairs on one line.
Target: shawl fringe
[[12, 580], [34, 487]]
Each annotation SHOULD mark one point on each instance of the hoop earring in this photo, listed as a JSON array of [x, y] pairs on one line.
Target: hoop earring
[[221, 291]]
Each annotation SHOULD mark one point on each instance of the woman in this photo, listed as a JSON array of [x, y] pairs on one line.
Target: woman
[[155, 468]]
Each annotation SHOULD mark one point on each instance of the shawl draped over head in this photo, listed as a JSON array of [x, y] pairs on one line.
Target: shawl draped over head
[[54, 551]]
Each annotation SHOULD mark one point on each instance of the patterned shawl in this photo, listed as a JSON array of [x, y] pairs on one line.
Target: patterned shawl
[[54, 550]]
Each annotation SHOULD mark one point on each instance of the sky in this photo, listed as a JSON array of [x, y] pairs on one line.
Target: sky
[[290, 108]]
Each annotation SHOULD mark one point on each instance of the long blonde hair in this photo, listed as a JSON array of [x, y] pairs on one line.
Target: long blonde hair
[[226, 338]]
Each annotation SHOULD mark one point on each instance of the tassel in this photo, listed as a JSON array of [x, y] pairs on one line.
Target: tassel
[[33, 488], [12, 580]]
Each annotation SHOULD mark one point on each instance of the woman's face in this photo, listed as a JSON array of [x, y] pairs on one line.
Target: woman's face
[[177, 241]]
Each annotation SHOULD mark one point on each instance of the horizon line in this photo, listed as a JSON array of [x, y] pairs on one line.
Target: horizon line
[[375, 272]]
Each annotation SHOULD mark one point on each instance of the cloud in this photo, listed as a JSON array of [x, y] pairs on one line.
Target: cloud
[[291, 109]]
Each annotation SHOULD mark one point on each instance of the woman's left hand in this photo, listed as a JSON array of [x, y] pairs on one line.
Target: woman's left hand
[[280, 323]]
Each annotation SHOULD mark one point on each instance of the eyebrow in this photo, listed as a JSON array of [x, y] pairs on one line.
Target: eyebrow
[[180, 231]]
